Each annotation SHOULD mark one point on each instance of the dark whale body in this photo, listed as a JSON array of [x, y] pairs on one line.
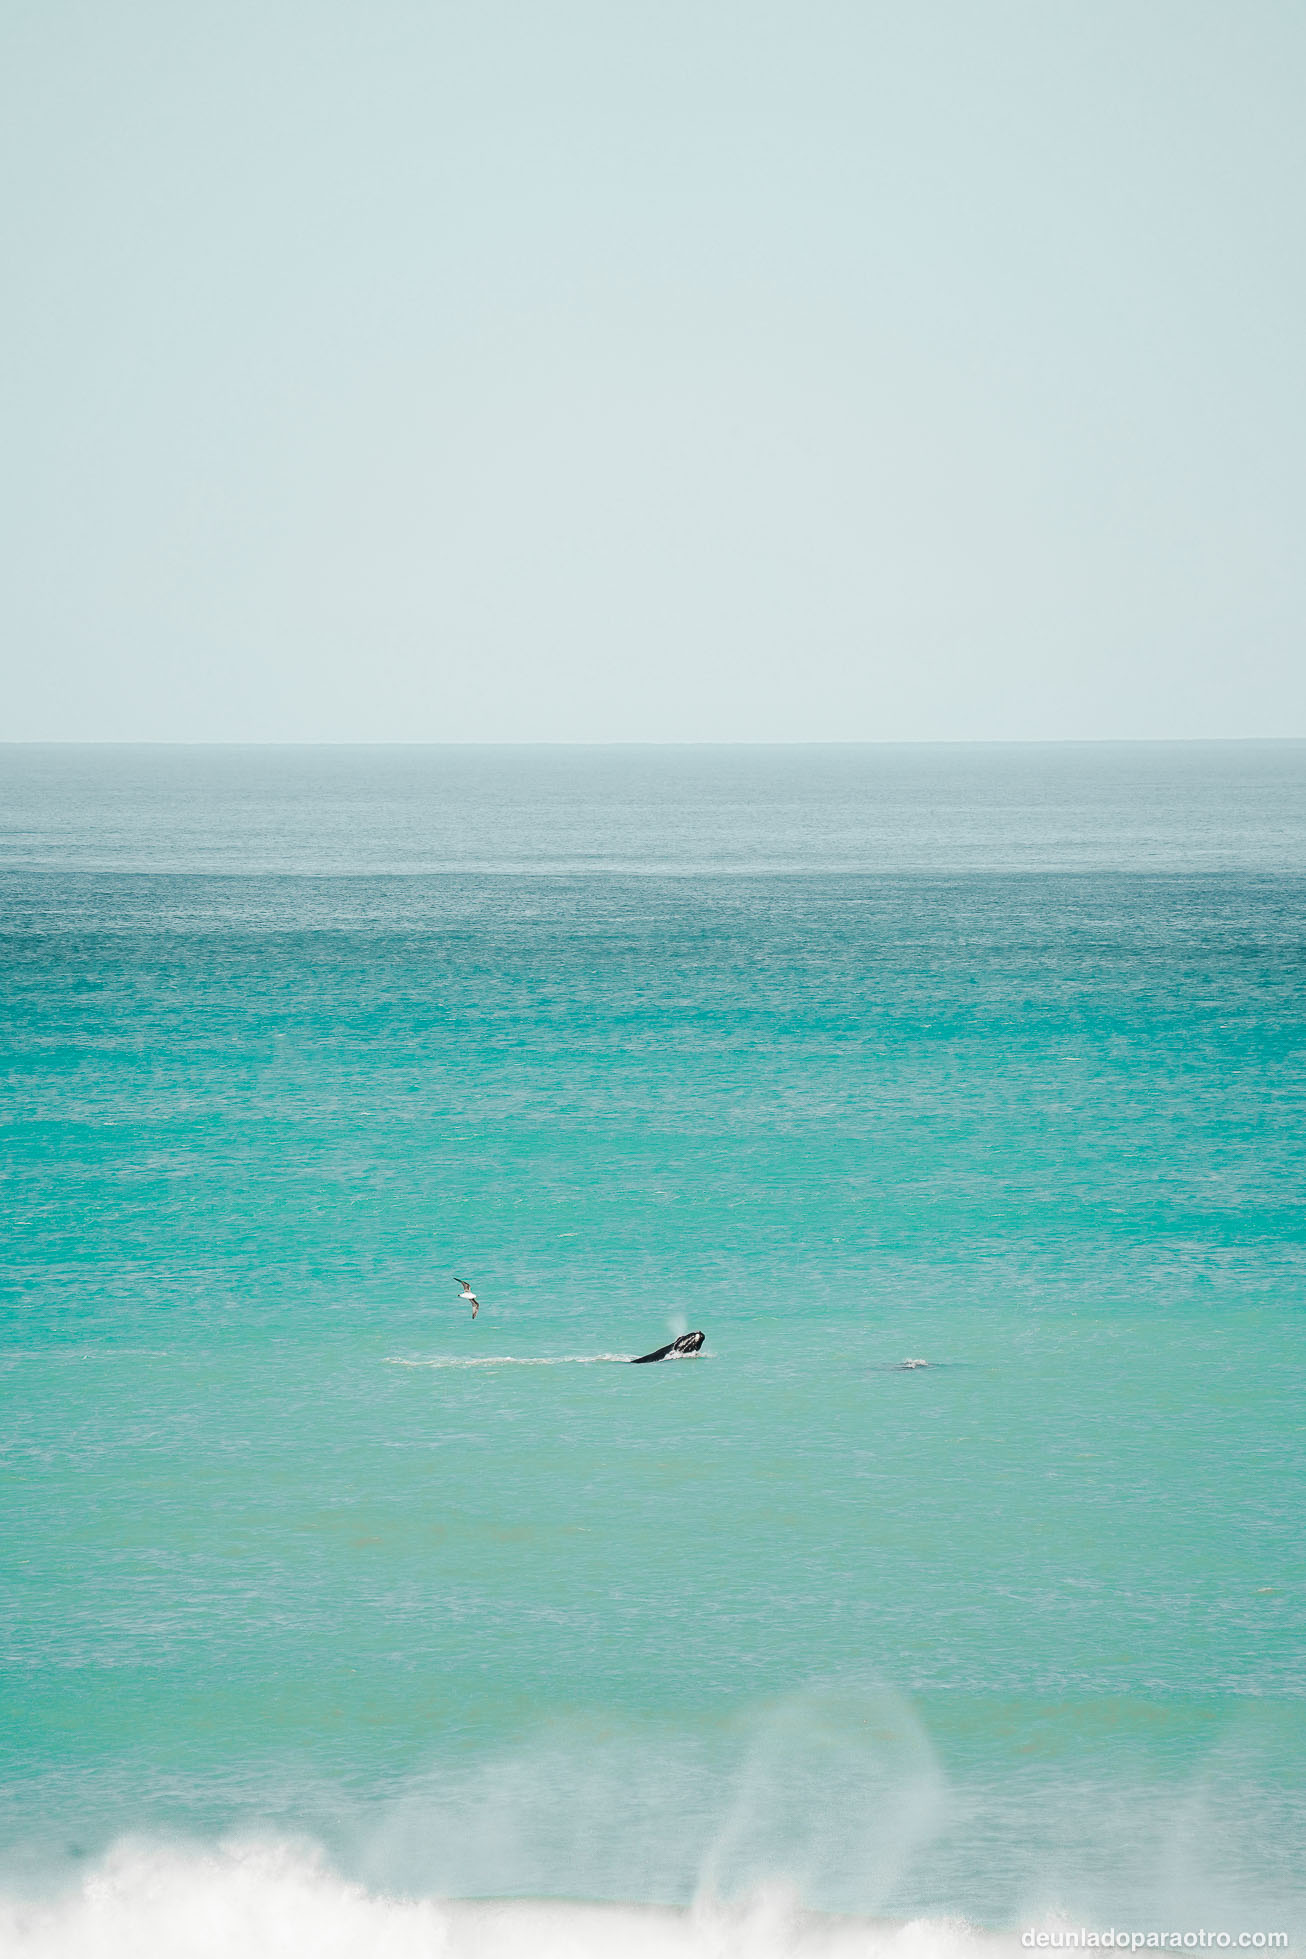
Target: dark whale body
[[688, 1343]]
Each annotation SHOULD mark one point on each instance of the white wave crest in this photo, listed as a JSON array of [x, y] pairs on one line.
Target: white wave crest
[[259, 1899]]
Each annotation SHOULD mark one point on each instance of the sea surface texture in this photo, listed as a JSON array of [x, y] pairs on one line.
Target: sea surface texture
[[330, 1613]]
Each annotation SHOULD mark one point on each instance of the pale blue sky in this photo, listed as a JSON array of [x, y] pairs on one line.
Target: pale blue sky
[[653, 371]]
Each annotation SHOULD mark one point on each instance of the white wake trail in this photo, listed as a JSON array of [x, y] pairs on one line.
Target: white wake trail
[[507, 1360]]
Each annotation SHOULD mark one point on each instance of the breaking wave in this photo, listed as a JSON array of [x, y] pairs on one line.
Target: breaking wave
[[270, 1899]]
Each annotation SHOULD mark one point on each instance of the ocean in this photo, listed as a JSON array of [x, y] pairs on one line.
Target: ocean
[[336, 1621]]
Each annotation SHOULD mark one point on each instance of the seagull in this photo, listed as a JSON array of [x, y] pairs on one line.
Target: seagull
[[467, 1293]]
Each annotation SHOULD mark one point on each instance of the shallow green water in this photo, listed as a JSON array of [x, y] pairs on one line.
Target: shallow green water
[[294, 1544]]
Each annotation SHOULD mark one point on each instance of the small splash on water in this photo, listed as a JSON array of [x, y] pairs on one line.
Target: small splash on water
[[912, 1365]]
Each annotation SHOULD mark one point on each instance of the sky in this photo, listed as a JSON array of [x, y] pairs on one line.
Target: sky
[[637, 370]]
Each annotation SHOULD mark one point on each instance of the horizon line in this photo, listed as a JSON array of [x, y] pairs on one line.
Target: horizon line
[[955, 741]]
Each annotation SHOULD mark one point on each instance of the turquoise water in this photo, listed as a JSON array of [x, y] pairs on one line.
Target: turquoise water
[[990, 1058]]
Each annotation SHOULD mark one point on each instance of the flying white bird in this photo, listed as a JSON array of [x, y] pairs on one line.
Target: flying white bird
[[467, 1293]]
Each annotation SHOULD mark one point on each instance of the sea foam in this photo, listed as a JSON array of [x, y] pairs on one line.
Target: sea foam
[[270, 1899]]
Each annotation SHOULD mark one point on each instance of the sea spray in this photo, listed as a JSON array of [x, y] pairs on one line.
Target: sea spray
[[263, 1899]]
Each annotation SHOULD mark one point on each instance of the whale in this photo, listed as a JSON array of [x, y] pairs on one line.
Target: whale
[[688, 1343]]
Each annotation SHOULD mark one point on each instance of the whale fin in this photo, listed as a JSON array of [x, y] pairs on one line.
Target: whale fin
[[688, 1343]]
